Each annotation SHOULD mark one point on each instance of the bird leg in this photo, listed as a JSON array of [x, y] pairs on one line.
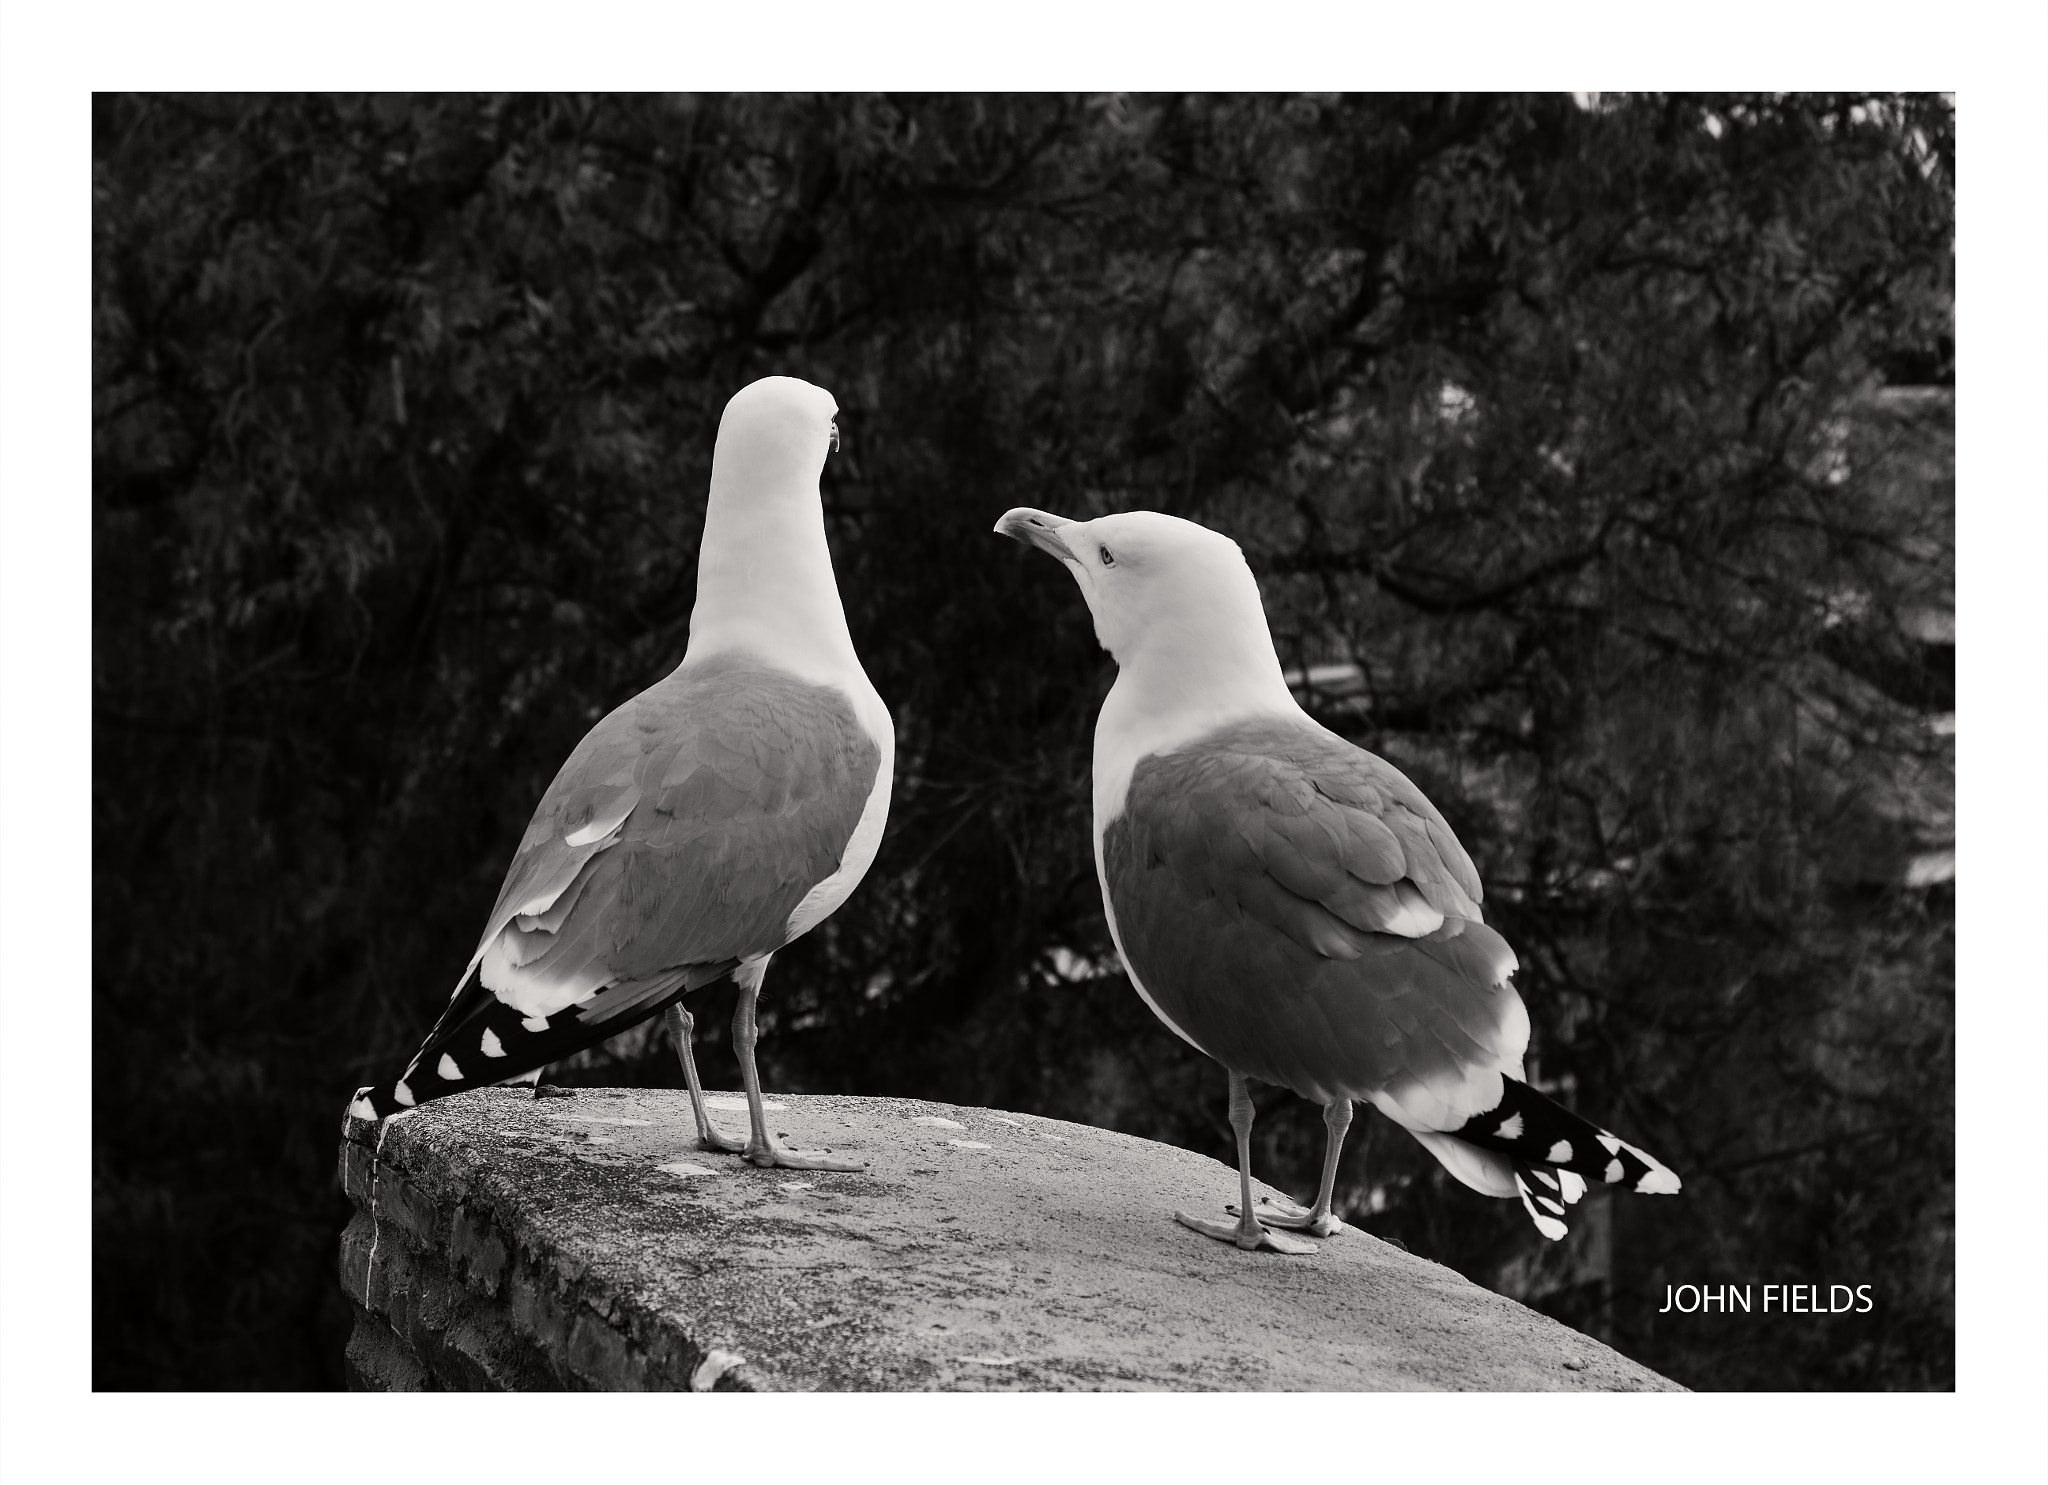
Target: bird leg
[[763, 1148], [1318, 1219], [680, 1024], [1245, 1232]]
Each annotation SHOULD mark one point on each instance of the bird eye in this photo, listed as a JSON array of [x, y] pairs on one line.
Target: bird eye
[[1107, 559], [835, 438]]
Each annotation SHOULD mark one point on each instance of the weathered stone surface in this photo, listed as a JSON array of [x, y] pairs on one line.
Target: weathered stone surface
[[506, 1242]]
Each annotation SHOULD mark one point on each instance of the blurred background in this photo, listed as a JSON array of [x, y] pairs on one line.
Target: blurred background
[[1594, 453]]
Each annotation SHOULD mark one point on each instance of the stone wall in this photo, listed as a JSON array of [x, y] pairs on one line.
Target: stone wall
[[583, 1242]]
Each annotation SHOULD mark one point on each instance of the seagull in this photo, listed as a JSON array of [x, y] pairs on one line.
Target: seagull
[[714, 818], [1292, 905]]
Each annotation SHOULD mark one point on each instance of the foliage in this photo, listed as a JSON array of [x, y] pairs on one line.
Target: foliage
[[1567, 440]]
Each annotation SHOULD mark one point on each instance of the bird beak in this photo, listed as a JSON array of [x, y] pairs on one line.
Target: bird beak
[[835, 438], [1038, 529]]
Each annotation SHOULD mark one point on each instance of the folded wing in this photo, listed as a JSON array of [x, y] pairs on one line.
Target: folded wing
[[1297, 908]]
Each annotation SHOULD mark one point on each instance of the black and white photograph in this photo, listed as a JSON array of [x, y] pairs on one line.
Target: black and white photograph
[[971, 741]]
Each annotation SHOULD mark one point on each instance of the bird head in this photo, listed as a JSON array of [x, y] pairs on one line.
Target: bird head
[[1166, 594], [774, 437]]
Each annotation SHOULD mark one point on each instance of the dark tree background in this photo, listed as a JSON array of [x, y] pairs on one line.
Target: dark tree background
[[1595, 458]]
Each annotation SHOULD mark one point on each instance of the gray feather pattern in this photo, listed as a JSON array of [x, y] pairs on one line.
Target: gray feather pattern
[[1253, 874], [744, 784]]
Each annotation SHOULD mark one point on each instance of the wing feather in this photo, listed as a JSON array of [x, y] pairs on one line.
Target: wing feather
[[1300, 910], [724, 794]]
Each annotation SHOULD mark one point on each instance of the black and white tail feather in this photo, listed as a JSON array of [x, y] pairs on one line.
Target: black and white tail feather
[[1554, 1153], [480, 1041]]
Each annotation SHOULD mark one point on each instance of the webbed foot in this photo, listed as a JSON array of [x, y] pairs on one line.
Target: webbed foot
[[772, 1156], [1246, 1235], [1286, 1214]]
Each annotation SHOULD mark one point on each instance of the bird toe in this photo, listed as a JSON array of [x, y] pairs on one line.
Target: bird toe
[[777, 1158], [1273, 1213], [1249, 1237]]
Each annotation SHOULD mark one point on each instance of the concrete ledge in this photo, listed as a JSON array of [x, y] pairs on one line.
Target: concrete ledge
[[504, 1242]]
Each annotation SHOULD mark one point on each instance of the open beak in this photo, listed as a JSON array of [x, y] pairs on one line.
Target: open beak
[[1038, 529]]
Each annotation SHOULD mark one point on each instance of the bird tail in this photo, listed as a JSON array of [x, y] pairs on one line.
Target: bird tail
[[1554, 1153], [480, 1040]]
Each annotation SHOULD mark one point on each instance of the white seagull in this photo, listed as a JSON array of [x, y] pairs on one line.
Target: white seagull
[[1292, 905], [721, 813]]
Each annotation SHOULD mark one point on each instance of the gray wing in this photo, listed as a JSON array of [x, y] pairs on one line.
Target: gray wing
[[683, 830], [1299, 909]]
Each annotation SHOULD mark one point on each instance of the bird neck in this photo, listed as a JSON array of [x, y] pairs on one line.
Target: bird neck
[[1179, 684], [765, 584], [1208, 660]]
